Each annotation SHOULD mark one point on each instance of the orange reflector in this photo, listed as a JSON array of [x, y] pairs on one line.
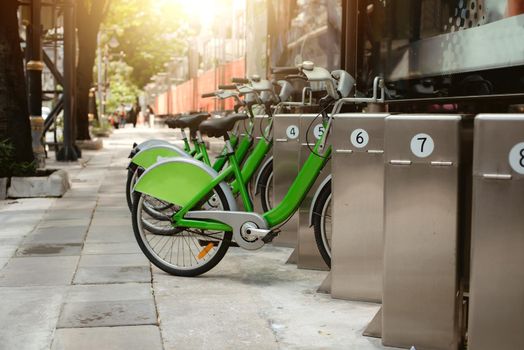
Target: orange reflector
[[205, 250]]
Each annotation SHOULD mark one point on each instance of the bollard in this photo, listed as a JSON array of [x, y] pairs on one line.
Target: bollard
[[426, 218], [358, 206], [496, 305], [285, 169], [308, 255]]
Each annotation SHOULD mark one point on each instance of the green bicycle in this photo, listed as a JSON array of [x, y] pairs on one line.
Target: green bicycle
[[204, 216], [146, 154]]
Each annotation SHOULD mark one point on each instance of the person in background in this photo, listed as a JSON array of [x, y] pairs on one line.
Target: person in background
[[133, 113], [122, 116], [150, 113]]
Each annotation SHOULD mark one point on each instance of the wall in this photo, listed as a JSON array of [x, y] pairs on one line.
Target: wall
[[186, 96]]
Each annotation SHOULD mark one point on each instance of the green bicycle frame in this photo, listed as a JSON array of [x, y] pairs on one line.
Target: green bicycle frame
[[199, 151], [289, 205], [187, 147]]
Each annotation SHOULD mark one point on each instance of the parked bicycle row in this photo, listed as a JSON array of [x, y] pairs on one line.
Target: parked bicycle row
[[385, 200]]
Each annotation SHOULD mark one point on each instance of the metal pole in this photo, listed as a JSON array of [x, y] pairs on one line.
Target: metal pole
[[35, 66], [350, 37], [68, 153]]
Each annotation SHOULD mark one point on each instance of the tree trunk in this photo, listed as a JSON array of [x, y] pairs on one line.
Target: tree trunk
[[89, 18], [84, 75], [14, 113]]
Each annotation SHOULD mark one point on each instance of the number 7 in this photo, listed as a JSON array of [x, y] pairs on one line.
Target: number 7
[[423, 139]]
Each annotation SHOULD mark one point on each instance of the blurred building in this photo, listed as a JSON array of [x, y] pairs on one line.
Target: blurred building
[[216, 54], [245, 37]]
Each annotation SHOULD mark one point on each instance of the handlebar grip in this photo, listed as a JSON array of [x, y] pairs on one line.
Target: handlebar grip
[[227, 87], [240, 80], [209, 94], [285, 70]]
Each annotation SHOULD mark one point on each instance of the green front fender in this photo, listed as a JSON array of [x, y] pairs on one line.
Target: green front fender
[[179, 181], [149, 156]]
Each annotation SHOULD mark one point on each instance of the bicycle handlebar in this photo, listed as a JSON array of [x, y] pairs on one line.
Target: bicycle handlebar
[[208, 94], [227, 87], [240, 80], [285, 70], [295, 76]]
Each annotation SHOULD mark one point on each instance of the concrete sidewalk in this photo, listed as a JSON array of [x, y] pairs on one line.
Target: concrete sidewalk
[[73, 277]]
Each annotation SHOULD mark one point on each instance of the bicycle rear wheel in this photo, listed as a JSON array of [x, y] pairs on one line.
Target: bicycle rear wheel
[[180, 251]]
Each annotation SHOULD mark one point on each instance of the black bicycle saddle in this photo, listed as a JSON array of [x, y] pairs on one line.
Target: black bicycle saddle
[[218, 127]]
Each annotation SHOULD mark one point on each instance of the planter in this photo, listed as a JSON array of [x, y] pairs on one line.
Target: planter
[[102, 133], [47, 183], [3, 187], [90, 145]]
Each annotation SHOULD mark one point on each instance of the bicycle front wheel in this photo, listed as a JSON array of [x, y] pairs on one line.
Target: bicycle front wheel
[[266, 188], [322, 224]]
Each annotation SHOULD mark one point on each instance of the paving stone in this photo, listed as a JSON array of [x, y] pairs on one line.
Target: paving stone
[[74, 204], [25, 204], [114, 260], [185, 310], [11, 239], [38, 271], [108, 305], [112, 274], [64, 222], [111, 221], [108, 338], [110, 200], [29, 316], [111, 248], [69, 214], [58, 235], [7, 251], [120, 268], [11, 218], [20, 230], [110, 234], [3, 262], [67, 249], [116, 188], [112, 213], [82, 193]]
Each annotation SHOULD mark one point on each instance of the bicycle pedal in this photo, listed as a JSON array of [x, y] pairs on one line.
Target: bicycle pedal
[[270, 236]]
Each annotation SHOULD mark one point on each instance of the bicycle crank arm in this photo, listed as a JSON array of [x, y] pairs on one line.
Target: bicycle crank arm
[[248, 228]]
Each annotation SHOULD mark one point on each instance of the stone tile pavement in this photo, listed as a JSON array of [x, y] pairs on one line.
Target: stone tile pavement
[[73, 277]]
